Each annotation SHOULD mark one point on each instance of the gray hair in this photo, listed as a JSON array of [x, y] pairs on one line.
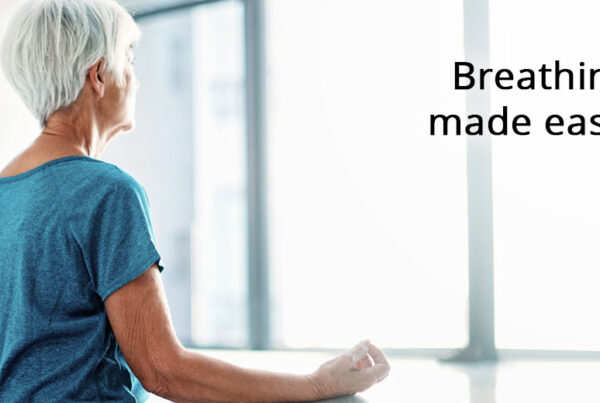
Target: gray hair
[[51, 44]]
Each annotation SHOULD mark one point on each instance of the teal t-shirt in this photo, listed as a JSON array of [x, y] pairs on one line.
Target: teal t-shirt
[[72, 231]]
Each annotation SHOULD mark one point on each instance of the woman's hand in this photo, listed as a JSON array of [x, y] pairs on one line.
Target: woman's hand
[[354, 371]]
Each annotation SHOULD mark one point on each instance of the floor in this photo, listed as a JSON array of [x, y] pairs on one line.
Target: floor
[[428, 381]]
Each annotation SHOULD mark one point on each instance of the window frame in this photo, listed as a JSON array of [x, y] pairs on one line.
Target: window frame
[[481, 344]]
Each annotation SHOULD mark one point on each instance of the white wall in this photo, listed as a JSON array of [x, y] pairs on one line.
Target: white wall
[[18, 127]]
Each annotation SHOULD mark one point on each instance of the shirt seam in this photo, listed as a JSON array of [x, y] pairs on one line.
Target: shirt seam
[[44, 166], [70, 231]]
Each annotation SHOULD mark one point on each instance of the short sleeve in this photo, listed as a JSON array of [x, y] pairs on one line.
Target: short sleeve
[[119, 242]]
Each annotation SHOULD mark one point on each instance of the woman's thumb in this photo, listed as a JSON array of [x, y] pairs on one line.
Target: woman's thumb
[[357, 352]]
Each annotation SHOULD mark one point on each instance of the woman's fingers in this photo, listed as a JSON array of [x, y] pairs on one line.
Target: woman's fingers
[[376, 373], [377, 354], [382, 367]]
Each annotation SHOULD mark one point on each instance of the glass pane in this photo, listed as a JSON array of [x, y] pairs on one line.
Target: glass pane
[[368, 212], [189, 152], [219, 301], [546, 219]]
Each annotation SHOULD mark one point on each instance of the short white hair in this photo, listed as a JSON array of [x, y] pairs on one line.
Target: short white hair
[[50, 45]]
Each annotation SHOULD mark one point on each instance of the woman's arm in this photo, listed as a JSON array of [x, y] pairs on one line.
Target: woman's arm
[[207, 379], [140, 319]]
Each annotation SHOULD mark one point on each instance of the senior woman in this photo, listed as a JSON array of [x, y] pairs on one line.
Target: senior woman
[[84, 315]]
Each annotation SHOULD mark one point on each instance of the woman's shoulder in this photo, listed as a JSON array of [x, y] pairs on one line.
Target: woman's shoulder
[[95, 171]]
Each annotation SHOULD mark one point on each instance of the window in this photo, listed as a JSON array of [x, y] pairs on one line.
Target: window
[[191, 113], [546, 197], [368, 214], [219, 307]]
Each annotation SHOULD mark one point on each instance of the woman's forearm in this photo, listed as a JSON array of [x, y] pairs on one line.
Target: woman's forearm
[[196, 377]]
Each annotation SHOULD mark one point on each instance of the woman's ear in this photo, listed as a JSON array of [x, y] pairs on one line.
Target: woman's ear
[[96, 76]]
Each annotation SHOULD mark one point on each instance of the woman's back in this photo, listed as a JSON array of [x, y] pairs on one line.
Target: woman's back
[[72, 231]]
